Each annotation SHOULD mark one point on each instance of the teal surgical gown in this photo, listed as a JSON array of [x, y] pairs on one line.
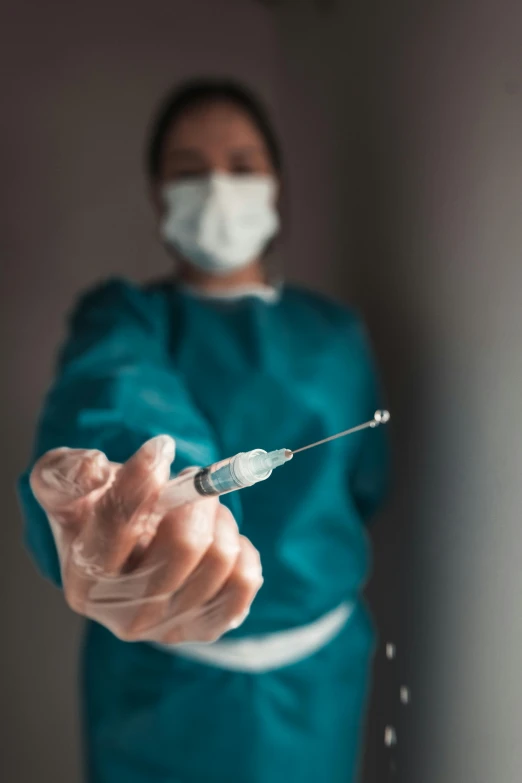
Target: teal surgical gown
[[223, 376]]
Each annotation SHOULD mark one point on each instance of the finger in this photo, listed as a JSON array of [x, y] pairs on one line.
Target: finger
[[140, 478], [228, 608], [125, 512], [62, 478], [206, 581], [181, 542]]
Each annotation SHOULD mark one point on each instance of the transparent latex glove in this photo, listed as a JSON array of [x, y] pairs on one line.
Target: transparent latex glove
[[145, 571]]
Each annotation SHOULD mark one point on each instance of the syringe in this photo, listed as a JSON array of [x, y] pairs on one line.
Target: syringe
[[243, 469]]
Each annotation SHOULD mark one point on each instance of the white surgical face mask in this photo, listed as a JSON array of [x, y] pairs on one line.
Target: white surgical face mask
[[221, 222]]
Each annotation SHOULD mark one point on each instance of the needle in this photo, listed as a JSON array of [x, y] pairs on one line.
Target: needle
[[380, 417]]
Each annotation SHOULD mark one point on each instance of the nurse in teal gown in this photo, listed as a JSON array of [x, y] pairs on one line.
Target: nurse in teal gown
[[224, 360]]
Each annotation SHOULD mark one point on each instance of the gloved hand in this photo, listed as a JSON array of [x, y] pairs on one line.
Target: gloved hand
[[145, 572]]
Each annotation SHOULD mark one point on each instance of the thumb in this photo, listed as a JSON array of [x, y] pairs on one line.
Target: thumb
[[62, 478]]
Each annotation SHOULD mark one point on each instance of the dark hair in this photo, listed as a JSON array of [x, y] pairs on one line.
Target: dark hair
[[196, 93]]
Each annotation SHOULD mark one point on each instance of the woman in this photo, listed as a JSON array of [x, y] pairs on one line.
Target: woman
[[215, 362]]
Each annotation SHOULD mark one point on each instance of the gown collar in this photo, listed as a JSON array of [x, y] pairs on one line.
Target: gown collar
[[270, 294]]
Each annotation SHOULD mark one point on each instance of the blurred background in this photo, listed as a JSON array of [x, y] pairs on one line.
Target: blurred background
[[402, 132]]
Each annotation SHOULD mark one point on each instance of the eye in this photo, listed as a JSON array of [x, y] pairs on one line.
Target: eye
[[242, 168], [188, 174]]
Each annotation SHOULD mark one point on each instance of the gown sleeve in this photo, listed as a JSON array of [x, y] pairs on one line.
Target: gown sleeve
[[370, 480], [115, 388]]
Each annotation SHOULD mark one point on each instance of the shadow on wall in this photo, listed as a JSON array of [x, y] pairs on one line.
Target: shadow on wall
[[375, 242]]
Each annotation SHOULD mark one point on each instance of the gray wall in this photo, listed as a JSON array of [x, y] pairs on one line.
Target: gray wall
[[404, 139], [427, 100], [79, 81]]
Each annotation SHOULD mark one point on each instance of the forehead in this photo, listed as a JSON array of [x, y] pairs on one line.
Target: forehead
[[217, 124]]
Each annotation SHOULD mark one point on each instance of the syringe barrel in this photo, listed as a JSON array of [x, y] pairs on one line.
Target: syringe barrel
[[241, 470], [234, 473]]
